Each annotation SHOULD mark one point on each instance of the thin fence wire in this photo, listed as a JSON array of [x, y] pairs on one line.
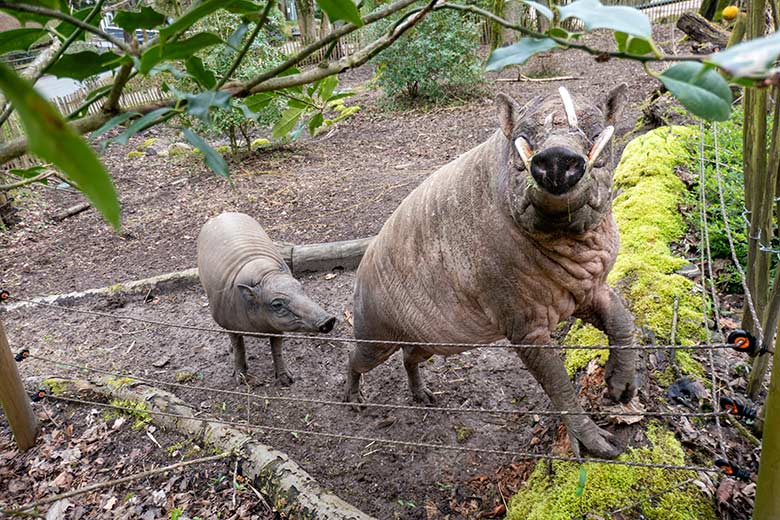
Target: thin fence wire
[[727, 229], [708, 278], [348, 340], [639, 502], [387, 406], [391, 442]]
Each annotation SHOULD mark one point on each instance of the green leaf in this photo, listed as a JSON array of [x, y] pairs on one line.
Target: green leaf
[[557, 32], [91, 98], [146, 18], [65, 29], [341, 10], [632, 45], [201, 10], [199, 105], [84, 64], [234, 40], [327, 86], [540, 8], [582, 481], [59, 5], [518, 53], [286, 123], [177, 50], [111, 123], [203, 76], [316, 122], [297, 103], [753, 58], [595, 15], [700, 89], [53, 140], [138, 125], [214, 160], [19, 39], [257, 102]]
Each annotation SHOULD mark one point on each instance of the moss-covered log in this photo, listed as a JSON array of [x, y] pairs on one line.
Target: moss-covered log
[[292, 491]]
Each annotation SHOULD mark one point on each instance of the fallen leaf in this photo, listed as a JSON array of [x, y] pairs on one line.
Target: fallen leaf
[[58, 509], [68, 456], [62, 480], [118, 422], [348, 317], [633, 406], [110, 504], [330, 276]]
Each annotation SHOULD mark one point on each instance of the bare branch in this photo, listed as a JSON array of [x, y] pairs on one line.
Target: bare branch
[[53, 13], [123, 76], [568, 44], [329, 38], [25, 182]]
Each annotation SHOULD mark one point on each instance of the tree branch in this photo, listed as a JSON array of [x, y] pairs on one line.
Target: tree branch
[[8, 109], [25, 182], [322, 42], [240, 57], [568, 43], [53, 13], [111, 105]]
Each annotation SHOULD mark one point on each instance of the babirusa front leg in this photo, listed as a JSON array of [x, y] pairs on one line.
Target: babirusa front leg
[[610, 315]]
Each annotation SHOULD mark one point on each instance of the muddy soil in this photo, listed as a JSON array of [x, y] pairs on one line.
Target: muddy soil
[[341, 185]]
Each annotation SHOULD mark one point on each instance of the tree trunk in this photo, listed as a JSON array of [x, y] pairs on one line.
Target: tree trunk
[[496, 29], [306, 21], [759, 199], [324, 25]]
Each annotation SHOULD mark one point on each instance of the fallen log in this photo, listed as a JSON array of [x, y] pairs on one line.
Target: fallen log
[[293, 492], [300, 259], [71, 211], [700, 30]]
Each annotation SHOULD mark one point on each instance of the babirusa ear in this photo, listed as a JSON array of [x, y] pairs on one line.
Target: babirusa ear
[[248, 294], [614, 103], [508, 114]]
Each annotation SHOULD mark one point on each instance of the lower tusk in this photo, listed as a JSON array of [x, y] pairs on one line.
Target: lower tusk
[[599, 145], [524, 150]]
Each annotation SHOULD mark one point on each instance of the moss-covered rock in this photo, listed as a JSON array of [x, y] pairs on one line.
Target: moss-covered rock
[[135, 154], [551, 491], [648, 218]]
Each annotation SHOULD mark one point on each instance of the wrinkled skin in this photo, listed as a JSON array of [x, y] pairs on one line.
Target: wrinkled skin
[[250, 288], [483, 250]]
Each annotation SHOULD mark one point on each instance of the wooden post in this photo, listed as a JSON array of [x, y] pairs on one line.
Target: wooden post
[[767, 504], [15, 401]]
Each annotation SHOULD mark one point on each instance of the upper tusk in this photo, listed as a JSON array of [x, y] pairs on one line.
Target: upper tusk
[[599, 145], [524, 149], [568, 106]]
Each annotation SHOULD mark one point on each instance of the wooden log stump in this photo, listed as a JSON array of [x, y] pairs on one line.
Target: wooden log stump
[[702, 31]]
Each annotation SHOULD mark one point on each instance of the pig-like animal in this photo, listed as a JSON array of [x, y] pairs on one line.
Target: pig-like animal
[[507, 241], [250, 288]]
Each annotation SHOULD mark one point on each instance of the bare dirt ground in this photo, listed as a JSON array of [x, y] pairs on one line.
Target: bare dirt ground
[[338, 186]]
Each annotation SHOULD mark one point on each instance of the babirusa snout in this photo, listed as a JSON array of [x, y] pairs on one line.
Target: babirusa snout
[[557, 170], [326, 325]]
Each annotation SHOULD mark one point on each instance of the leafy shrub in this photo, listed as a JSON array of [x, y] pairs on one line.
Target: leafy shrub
[[432, 58]]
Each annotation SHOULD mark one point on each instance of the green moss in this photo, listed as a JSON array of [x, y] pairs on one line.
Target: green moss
[[185, 377], [584, 334], [135, 154], [649, 220], [257, 143], [138, 411], [223, 149], [551, 491], [463, 433], [146, 144], [118, 382], [177, 149], [55, 386]]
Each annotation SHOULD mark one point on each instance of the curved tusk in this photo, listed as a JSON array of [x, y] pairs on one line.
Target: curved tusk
[[568, 106], [524, 149], [599, 145]]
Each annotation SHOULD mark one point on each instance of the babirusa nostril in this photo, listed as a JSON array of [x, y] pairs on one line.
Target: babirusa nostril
[[327, 325], [557, 169]]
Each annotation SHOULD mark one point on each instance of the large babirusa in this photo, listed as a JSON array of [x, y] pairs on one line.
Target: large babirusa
[[250, 288], [507, 241]]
